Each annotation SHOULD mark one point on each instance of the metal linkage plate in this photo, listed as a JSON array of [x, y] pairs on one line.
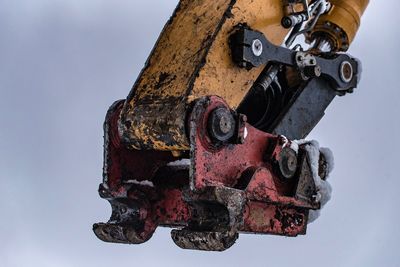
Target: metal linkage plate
[[252, 49]]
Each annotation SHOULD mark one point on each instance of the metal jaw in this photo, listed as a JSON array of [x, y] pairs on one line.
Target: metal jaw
[[249, 182]]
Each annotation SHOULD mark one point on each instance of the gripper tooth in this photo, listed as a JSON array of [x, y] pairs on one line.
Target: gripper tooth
[[117, 233], [207, 241]]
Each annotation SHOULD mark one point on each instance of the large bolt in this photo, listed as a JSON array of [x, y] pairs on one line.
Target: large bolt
[[221, 125], [288, 162], [346, 71]]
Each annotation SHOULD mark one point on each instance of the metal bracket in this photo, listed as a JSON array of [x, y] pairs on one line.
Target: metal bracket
[[249, 183], [305, 110], [307, 65], [251, 49]]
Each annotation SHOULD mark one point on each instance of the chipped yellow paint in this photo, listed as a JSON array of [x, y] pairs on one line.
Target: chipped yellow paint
[[220, 76], [192, 59]]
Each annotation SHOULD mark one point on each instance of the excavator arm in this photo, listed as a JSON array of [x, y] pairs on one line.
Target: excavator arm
[[204, 142]]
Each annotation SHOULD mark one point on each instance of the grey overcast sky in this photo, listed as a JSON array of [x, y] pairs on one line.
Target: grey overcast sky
[[63, 62]]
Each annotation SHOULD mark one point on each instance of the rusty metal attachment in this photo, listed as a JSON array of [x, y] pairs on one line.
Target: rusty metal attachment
[[226, 189], [204, 143]]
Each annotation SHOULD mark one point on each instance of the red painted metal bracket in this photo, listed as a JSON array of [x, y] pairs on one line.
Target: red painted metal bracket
[[251, 182]]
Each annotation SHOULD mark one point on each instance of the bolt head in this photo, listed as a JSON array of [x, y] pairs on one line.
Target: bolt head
[[257, 47], [287, 22], [346, 71], [313, 71], [221, 124], [288, 162]]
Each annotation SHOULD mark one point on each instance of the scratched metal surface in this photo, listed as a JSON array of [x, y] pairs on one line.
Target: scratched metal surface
[[64, 62]]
